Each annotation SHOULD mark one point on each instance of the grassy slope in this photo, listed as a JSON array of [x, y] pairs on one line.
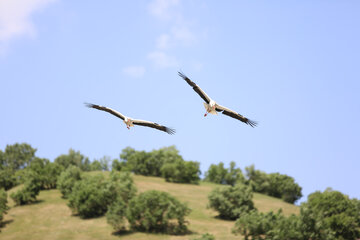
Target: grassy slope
[[50, 218]]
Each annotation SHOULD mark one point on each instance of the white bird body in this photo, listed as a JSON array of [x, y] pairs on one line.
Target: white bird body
[[212, 107], [131, 122]]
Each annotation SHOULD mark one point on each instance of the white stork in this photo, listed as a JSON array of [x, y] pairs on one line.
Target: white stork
[[212, 107], [131, 122]]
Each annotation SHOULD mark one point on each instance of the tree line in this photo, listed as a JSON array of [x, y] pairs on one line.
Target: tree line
[[325, 215]]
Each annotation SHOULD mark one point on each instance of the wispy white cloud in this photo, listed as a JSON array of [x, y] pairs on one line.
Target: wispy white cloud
[[134, 71], [164, 9], [15, 19], [179, 34], [163, 41], [162, 60]]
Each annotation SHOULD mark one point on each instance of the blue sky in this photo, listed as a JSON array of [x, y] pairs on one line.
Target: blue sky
[[291, 65]]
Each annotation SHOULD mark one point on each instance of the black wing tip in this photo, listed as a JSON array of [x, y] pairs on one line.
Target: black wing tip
[[252, 123], [182, 75], [170, 131], [89, 105]]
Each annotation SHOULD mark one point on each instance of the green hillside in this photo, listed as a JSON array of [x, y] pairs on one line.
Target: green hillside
[[50, 218]]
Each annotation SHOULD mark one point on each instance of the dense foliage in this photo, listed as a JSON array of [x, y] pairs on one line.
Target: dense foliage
[[325, 216], [155, 211], [46, 171], [331, 215], [221, 175], [14, 158], [67, 179], [273, 184], [181, 171], [164, 162], [231, 201], [73, 158], [205, 236], [32, 185], [92, 195], [3, 202]]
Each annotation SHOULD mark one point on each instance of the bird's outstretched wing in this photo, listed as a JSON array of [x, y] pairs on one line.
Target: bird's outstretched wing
[[196, 88], [235, 115], [153, 125], [106, 109]]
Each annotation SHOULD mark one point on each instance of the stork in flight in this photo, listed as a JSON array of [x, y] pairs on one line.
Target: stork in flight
[[212, 107], [131, 122]]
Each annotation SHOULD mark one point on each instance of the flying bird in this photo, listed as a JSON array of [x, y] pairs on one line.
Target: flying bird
[[131, 122], [212, 107]]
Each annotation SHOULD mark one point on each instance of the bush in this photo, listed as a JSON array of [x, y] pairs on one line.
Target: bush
[[94, 195], [47, 172], [255, 224], [219, 174], [330, 215], [181, 172], [206, 236], [155, 211], [123, 187], [30, 190], [116, 214], [90, 197], [273, 184], [7, 178], [73, 158], [3, 202], [231, 202], [67, 179]]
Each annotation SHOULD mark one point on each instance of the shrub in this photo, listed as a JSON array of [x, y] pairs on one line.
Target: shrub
[[273, 184], [255, 224], [31, 189], [90, 197], [231, 201], [206, 236], [3, 202], [73, 158], [47, 172], [116, 214], [330, 215], [219, 174], [123, 188], [181, 172], [121, 185], [7, 178], [67, 179], [155, 211]]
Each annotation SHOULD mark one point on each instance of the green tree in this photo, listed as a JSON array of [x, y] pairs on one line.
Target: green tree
[[73, 158], [231, 201], [330, 215], [67, 179], [7, 178], [155, 211], [3, 203], [95, 166], [119, 165], [181, 171], [90, 197], [221, 175], [17, 156], [30, 190], [216, 173], [123, 188]]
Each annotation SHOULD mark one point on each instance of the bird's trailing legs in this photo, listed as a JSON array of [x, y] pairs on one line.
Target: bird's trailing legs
[[205, 114], [128, 127]]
